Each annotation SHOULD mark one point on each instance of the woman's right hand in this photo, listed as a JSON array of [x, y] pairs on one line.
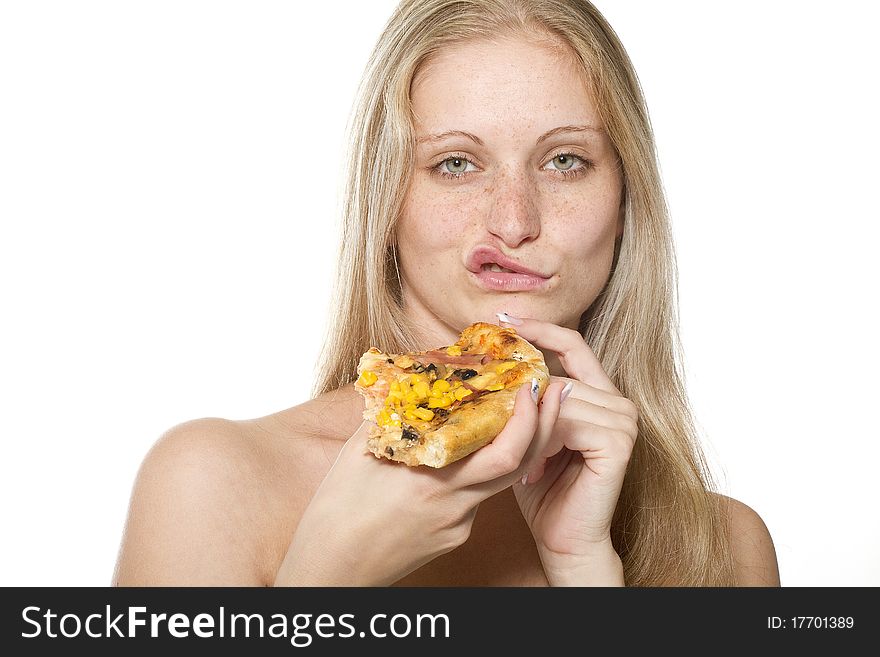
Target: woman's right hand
[[373, 521]]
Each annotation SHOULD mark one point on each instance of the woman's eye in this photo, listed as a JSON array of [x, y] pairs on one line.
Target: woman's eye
[[563, 161], [456, 166]]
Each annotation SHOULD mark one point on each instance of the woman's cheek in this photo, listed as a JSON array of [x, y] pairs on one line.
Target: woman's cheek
[[438, 219], [428, 238]]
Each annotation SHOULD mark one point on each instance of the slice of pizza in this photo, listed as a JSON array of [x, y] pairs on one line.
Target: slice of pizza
[[435, 407]]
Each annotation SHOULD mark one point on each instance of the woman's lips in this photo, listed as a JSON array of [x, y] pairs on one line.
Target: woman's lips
[[507, 281]]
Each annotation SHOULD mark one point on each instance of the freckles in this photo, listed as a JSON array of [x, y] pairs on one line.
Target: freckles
[[574, 216], [588, 214], [456, 213], [429, 224], [583, 234], [447, 231]]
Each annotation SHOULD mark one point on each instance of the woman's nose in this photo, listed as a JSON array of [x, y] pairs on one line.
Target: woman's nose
[[513, 214]]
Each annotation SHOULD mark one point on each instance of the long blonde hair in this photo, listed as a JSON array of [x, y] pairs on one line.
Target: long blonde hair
[[669, 527]]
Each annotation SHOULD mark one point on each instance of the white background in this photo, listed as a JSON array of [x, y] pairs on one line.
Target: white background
[[169, 184]]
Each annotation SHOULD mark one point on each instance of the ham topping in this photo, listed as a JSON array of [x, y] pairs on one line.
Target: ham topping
[[440, 356]]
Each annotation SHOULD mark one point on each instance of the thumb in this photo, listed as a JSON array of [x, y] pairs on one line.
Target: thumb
[[356, 445]]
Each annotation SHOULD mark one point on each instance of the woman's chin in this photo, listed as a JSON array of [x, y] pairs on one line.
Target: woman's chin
[[532, 311], [491, 314]]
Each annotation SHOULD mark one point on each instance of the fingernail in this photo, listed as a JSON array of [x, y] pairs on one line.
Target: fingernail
[[509, 319], [535, 390], [525, 479], [566, 391]]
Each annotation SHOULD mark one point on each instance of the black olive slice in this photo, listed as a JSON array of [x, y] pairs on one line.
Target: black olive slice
[[464, 375]]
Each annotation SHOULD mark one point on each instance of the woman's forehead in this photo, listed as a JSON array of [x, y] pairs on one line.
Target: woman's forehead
[[501, 84], [516, 56]]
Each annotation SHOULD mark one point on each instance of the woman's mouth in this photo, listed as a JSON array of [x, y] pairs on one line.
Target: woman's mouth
[[493, 270], [491, 266], [493, 276]]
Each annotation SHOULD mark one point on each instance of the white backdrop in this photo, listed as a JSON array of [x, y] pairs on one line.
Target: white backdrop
[[169, 178]]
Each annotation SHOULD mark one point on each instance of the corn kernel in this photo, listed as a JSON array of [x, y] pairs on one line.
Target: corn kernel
[[411, 398], [444, 401], [404, 386], [367, 378], [461, 393], [454, 350], [421, 389], [440, 386], [495, 387], [424, 414], [418, 378], [395, 386], [383, 418], [503, 367]]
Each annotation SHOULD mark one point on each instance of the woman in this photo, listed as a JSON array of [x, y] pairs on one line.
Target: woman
[[502, 170]]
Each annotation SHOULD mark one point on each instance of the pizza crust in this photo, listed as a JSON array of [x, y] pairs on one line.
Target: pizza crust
[[469, 425]]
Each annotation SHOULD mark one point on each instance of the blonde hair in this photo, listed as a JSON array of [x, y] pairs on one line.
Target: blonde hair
[[669, 527]]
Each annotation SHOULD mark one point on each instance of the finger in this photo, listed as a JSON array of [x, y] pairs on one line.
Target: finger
[[593, 395], [544, 444], [595, 441], [579, 410], [534, 473], [573, 351], [505, 453], [550, 467], [356, 445], [548, 441]]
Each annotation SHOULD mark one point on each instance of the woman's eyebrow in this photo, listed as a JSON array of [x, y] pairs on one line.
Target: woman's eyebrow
[[450, 133], [568, 128], [461, 133]]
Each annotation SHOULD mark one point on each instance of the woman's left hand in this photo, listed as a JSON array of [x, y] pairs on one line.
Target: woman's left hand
[[572, 487]]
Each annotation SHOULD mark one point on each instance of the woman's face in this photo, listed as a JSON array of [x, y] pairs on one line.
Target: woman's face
[[512, 167]]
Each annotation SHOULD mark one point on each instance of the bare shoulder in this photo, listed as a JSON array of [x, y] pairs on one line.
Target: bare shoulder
[[185, 521], [215, 501], [754, 555]]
